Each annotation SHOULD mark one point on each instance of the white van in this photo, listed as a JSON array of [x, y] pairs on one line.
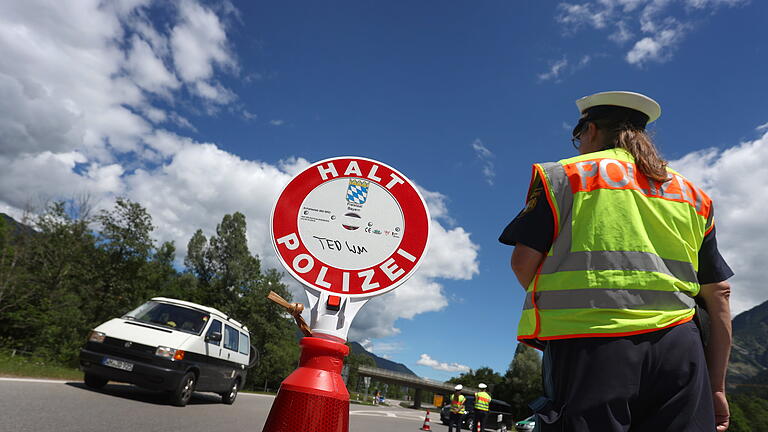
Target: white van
[[170, 345]]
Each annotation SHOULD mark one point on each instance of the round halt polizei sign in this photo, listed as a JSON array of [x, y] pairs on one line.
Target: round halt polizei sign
[[351, 226]]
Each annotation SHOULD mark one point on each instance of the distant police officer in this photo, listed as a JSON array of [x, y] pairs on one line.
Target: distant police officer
[[614, 249], [457, 409], [482, 405]]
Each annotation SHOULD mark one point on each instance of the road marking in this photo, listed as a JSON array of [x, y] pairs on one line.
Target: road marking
[[37, 380], [257, 394], [390, 414], [52, 381]]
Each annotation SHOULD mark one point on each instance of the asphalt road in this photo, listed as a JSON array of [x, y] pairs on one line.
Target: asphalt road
[[59, 406]]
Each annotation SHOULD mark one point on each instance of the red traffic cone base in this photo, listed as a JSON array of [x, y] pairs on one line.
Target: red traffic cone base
[[425, 426], [314, 397]]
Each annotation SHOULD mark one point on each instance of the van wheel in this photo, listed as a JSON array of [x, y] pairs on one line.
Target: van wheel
[[182, 394], [94, 381], [229, 397]]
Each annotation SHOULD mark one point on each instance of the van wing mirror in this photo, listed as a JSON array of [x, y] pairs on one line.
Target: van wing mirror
[[215, 337], [254, 357]]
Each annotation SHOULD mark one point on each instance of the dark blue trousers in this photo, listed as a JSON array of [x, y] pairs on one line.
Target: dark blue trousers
[[479, 416], [454, 419], [654, 381]]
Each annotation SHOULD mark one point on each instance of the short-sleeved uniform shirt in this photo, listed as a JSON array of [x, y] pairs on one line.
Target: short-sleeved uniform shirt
[[534, 227]]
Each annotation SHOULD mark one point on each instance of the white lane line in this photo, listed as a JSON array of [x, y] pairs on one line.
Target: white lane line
[[388, 414], [52, 381], [37, 380], [257, 394]]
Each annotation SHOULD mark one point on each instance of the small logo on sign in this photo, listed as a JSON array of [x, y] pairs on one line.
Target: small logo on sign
[[357, 192], [127, 344]]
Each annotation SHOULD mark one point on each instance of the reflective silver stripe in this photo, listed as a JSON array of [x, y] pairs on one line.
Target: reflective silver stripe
[[558, 181], [623, 260], [606, 298]]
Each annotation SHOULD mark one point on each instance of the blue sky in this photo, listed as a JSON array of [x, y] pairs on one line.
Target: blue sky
[[196, 109]]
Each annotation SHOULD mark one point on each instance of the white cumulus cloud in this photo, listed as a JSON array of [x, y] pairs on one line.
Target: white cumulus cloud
[[733, 178], [199, 43], [556, 68], [89, 93], [485, 157], [656, 27], [426, 360], [562, 67]]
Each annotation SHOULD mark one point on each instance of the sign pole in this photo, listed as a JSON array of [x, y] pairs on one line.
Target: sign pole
[[348, 229]]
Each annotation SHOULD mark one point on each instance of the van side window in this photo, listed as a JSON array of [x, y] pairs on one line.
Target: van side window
[[215, 327], [244, 343], [231, 338]]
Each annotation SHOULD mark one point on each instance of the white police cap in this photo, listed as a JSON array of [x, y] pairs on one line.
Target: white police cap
[[482, 386], [632, 100], [458, 387]]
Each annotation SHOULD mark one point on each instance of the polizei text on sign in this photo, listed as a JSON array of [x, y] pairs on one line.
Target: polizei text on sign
[[350, 226]]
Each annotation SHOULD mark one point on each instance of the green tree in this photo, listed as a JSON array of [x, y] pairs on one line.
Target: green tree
[[229, 278], [354, 361], [224, 266], [126, 245], [522, 382], [484, 375], [196, 260], [76, 277], [749, 411], [58, 267], [14, 246], [126, 230]]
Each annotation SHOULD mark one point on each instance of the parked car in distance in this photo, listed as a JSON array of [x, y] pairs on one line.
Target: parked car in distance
[[526, 425], [170, 345], [499, 414]]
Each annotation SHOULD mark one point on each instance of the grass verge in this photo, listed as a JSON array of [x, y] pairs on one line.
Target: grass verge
[[28, 367]]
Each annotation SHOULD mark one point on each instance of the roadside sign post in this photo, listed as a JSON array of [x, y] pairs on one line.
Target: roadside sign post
[[348, 229], [366, 386]]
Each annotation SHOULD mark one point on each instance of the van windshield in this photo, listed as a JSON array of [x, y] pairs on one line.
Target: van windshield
[[171, 316]]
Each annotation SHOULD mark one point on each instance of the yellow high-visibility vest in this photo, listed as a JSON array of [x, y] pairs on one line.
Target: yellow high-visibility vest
[[625, 253], [457, 404], [482, 401]]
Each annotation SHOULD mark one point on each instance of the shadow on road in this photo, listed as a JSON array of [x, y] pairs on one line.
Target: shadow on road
[[127, 391]]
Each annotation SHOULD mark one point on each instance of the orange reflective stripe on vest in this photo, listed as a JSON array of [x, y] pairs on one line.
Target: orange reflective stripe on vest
[[586, 176], [457, 405], [482, 401]]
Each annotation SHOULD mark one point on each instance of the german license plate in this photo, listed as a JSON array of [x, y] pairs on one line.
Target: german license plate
[[117, 364]]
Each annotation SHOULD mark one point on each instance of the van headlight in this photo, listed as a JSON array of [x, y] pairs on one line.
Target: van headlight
[[169, 353], [95, 336]]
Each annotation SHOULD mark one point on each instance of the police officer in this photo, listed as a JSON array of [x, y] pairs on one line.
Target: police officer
[[482, 405], [457, 409], [614, 249]]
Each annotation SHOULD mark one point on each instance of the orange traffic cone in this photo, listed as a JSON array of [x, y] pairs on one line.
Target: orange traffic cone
[[425, 426], [478, 426]]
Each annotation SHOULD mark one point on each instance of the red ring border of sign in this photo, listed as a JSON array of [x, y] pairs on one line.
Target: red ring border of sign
[[415, 239]]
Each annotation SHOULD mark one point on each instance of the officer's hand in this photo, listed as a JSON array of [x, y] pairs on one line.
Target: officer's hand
[[722, 414]]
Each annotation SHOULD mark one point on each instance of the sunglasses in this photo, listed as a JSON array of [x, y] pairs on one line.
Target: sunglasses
[[576, 139]]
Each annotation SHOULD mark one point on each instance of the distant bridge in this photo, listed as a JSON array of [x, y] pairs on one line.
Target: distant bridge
[[412, 381]]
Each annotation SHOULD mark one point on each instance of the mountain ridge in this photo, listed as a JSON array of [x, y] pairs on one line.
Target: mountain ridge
[[749, 353], [381, 362]]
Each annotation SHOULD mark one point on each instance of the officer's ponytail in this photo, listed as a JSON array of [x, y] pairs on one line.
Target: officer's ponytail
[[639, 144]]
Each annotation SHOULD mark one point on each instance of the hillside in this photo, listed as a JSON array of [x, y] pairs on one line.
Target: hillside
[[749, 355], [13, 226], [381, 363]]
